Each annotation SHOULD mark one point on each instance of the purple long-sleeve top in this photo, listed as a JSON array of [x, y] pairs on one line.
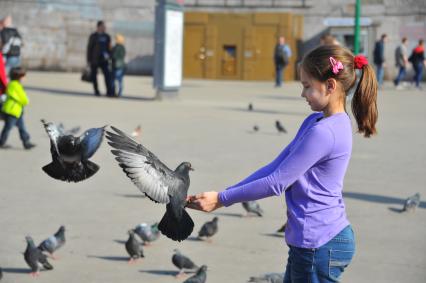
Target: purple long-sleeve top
[[310, 170]]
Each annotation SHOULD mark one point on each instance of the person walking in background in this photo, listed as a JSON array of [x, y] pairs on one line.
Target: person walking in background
[[379, 58], [328, 39], [401, 60], [417, 58], [11, 43], [118, 65], [98, 56], [282, 54], [13, 109], [310, 171]]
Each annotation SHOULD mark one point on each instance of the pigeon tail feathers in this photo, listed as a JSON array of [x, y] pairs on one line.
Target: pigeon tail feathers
[[74, 174], [176, 229]]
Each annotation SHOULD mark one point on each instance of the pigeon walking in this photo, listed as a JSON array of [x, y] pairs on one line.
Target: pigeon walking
[[208, 229], [412, 203], [183, 263], [268, 278], [33, 257], [134, 247], [157, 182], [199, 277], [147, 233], [252, 207], [70, 155], [54, 242], [280, 127]]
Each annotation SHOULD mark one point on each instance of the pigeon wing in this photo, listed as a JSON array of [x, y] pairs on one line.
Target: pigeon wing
[[90, 141], [54, 132], [145, 170]]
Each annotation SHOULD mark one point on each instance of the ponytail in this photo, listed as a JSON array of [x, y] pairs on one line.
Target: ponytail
[[364, 102]]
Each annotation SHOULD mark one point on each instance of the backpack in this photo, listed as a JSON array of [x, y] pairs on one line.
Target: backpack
[[12, 42], [282, 56]]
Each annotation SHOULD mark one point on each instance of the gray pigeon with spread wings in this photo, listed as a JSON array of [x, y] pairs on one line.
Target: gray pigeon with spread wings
[[70, 155], [54, 242], [156, 181]]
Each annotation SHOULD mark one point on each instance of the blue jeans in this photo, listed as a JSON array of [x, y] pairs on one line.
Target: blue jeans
[[279, 69], [9, 123], [321, 265], [418, 70], [12, 62], [401, 75], [118, 76], [107, 76], [380, 72]]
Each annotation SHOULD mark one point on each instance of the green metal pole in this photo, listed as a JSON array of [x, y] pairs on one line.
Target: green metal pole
[[357, 26]]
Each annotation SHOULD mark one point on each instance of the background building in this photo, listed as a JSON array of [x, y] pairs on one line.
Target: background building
[[55, 32]]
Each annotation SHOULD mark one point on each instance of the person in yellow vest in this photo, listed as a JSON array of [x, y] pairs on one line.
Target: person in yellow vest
[[13, 109]]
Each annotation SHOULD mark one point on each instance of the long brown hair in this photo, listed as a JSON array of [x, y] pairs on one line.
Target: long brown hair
[[364, 102]]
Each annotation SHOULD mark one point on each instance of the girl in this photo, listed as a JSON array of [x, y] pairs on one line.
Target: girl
[[310, 170], [13, 109], [118, 65]]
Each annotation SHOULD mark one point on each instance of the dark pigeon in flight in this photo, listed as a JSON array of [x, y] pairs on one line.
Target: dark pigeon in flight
[[280, 127], [34, 257], [412, 203], [208, 229], [147, 233], [133, 247], [268, 278], [183, 263], [199, 277], [157, 182], [252, 207], [70, 155], [54, 242]]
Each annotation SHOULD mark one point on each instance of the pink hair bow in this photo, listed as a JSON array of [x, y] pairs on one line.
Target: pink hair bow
[[335, 65]]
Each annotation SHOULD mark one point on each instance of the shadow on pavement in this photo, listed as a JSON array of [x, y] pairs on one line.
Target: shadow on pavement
[[274, 235], [379, 198], [16, 270], [262, 111], [239, 215], [79, 93], [160, 272], [112, 258]]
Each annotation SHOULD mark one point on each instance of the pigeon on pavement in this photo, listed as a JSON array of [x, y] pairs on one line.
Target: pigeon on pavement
[[268, 278], [252, 207], [134, 247], [282, 229], [54, 242], [199, 277], [182, 263], [208, 229], [33, 256], [255, 128], [157, 181], [70, 155], [412, 203], [148, 233], [280, 127]]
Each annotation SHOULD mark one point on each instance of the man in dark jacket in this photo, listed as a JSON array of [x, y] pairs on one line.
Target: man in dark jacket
[[11, 42], [98, 56], [379, 58]]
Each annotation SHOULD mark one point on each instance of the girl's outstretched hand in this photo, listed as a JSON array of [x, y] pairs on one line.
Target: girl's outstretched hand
[[207, 201]]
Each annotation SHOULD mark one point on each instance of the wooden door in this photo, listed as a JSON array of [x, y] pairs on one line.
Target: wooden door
[[194, 54]]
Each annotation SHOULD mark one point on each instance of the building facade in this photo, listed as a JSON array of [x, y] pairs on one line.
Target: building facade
[[55, 32]]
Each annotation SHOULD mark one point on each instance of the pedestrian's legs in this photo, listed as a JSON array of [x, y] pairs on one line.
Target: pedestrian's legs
[[379, 74], [94, 74], [12, 62], [109, 82], [119, 74], [25, 137], [278, 74], [9, 123], [401, 75], [418, 69]]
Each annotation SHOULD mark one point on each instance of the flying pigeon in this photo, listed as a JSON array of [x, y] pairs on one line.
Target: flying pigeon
[[199, 277], [157, 182], [70, 155], [208, 229], [412, 203], [268, 278], [282, 229], [147, 233], [250, 107], [133, 247], [252, 207], [54, 242], [182, 263], [33, 256], [280, 127], [137, 132], [72, 131]]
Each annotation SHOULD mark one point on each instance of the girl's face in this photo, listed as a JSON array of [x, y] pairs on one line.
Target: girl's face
[[314, 91]]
